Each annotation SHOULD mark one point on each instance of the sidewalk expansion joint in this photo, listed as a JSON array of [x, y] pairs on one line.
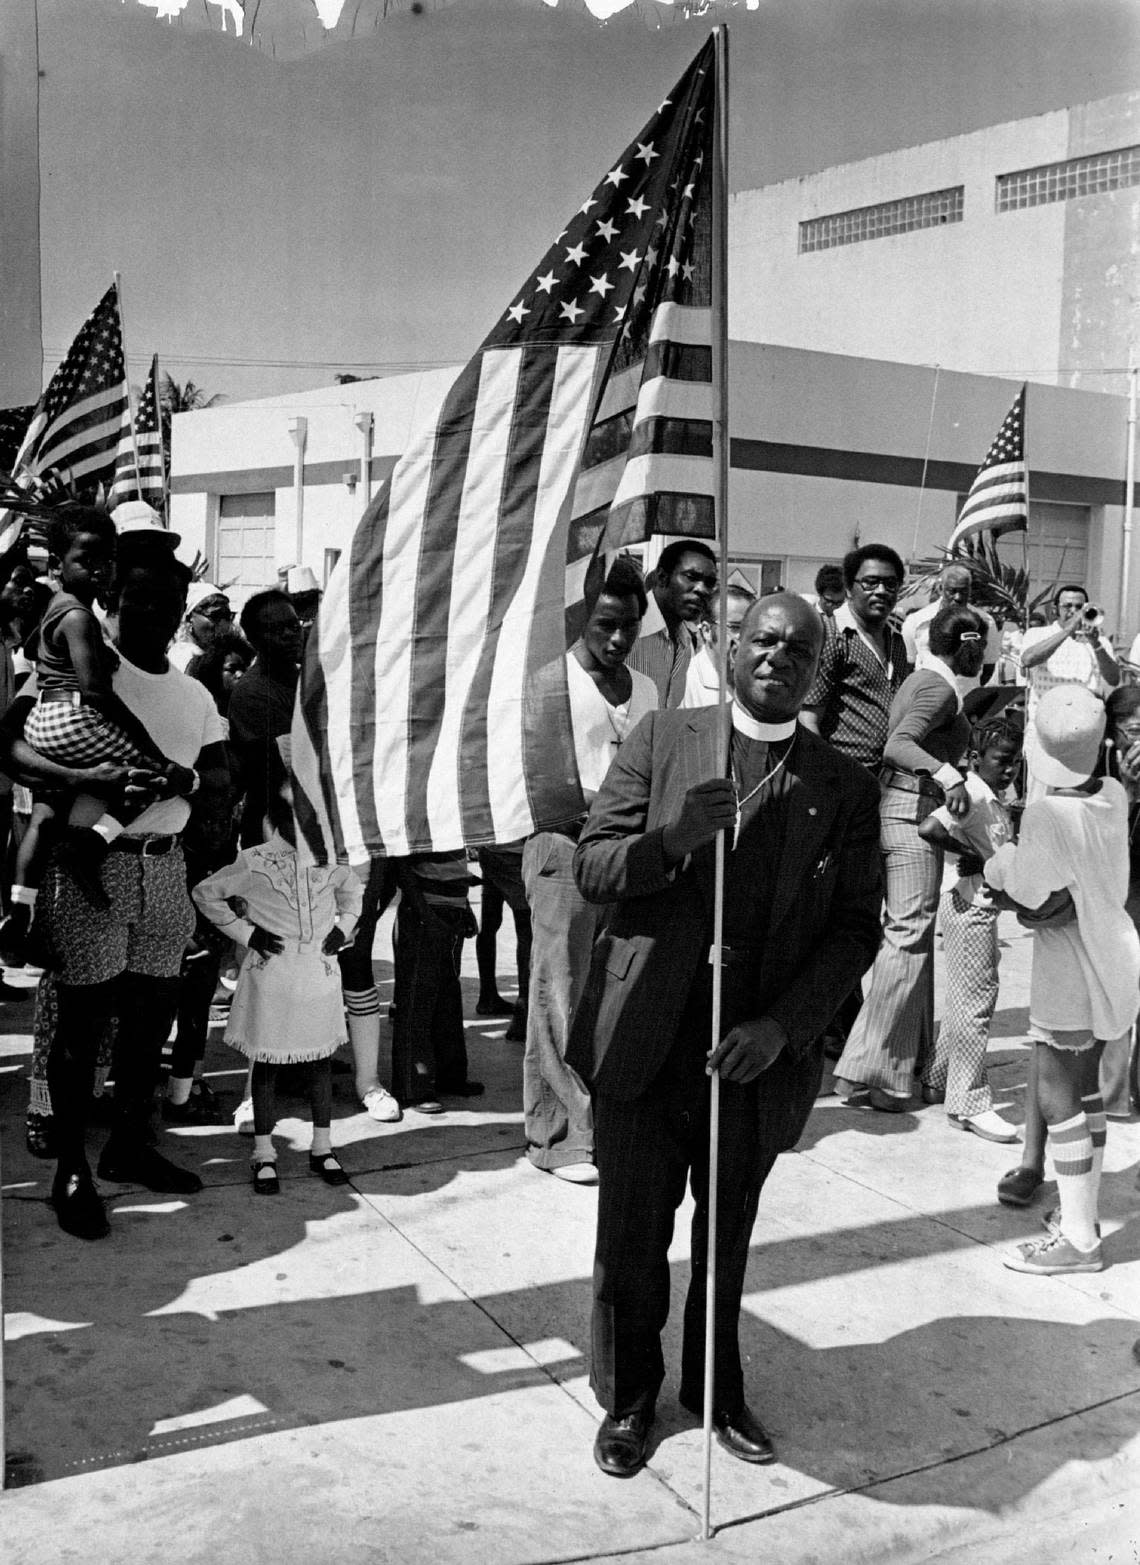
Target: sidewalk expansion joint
[[928, 1467]]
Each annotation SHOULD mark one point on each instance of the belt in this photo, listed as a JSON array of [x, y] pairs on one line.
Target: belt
[[153, 846], [71, 697], [909, 782]]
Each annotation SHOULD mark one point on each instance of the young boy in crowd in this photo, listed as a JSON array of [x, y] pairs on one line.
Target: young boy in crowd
[[1086, 972], [968, 914]]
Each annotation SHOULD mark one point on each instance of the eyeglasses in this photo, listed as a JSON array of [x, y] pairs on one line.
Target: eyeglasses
[[878, 584], [216, 615]]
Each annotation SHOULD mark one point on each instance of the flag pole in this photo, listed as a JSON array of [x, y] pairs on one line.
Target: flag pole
[[719, 336], [162, 453], [1129, 489], [118, 276]]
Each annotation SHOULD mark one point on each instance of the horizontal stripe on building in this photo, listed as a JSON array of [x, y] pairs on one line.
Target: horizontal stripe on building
[[748, 456]]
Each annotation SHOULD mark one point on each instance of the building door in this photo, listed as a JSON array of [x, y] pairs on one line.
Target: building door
[[245, 548], [1056, 546]]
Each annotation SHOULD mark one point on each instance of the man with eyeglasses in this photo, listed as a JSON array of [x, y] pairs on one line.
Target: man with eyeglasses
[[955, 585], [683, 586], [864, 659]]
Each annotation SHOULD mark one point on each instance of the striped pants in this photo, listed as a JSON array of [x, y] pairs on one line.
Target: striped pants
[[958, 1064], [894, 1032]]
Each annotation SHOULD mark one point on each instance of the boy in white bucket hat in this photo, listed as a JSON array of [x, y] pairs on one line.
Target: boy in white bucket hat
[[1084, 984]]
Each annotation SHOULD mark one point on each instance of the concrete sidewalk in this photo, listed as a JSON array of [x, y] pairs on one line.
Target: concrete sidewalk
[[398, 1370]]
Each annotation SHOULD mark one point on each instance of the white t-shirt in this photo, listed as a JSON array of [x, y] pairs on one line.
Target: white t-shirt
[[702, 682], [1086, 974], [599, 728], [985, 826], [180, 716]]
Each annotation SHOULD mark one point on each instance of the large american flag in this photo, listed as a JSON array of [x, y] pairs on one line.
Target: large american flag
[[148, 482], [71, 442], [998, 501], [433, 710]]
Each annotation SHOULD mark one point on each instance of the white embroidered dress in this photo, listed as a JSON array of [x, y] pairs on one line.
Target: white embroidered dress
[[288, 1008]]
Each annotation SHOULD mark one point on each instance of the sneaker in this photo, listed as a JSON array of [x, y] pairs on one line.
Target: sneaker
[[1051, 1221], [1054, 1256], [381, 1105], [243, 1117]]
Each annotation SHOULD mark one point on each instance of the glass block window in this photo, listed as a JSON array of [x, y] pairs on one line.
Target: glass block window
[[888, 217], [1063, 181]]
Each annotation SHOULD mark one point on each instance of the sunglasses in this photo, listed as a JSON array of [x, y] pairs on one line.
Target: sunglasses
[[216, 615]]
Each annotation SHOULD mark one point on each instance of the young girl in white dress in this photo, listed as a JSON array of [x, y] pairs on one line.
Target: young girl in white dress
[[288, 1007]]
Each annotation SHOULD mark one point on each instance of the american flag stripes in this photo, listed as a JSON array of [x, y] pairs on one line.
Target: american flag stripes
[[998, 501], [72, 439], [149, 483], [433, 711]]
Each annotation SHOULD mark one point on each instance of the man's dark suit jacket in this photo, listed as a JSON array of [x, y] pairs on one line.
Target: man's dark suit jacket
[[824, 924]]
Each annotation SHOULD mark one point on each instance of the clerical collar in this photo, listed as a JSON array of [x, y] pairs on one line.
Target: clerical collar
[[752, 728]]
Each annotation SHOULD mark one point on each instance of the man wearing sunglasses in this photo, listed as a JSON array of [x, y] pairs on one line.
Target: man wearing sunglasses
[[683, 586], [863, 661], [207, 611]]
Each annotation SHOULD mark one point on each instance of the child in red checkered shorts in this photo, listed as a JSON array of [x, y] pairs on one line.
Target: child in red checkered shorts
[[78, 720]]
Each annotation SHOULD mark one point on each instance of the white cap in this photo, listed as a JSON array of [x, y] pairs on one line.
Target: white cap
[[135, 516], [301, 579], [1069, 727], [200, 592]]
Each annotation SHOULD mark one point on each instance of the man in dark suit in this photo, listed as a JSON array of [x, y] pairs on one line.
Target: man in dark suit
[[801, 925]]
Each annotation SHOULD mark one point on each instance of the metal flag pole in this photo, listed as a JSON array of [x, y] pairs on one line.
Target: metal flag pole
[[1122, 618], [118, 276], [719, 323]]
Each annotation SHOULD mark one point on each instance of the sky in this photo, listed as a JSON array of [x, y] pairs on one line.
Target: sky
[[372, 203]]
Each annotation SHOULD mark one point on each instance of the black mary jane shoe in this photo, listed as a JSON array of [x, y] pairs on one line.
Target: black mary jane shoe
[[265, 1183], [619, 1446], [326, 1166], [39, 1135]]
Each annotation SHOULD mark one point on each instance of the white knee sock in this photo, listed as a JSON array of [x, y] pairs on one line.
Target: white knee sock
[[363, 1010], [1071, 1148]]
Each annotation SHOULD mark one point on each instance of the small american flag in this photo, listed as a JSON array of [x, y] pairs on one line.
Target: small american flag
[[433, 711], [71, 442], [149, 483], [998, 501]]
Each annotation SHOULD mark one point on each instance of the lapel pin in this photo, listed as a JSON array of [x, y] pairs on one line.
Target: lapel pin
[[812, 810]]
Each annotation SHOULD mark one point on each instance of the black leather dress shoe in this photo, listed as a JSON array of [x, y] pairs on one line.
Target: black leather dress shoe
[[79, 1207], [744, 1436], [142, 1165], [619, 1447]]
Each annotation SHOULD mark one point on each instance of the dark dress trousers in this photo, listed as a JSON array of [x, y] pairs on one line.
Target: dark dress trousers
[[802, 905]]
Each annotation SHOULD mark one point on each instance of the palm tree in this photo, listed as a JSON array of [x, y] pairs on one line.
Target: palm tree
[[185, 398]]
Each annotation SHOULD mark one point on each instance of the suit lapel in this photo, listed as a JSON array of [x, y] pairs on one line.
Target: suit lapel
[[709, 758]]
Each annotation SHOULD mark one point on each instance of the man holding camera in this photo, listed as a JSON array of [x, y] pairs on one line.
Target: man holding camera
[[1071, 651]]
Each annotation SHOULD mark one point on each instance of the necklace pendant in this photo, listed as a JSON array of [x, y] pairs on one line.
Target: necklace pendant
[[736, 828]]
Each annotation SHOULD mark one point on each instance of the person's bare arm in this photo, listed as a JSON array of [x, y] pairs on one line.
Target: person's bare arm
[[1039, 652], [88, 654]]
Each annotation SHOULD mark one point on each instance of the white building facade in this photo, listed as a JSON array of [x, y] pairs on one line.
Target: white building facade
[[1012, 251]]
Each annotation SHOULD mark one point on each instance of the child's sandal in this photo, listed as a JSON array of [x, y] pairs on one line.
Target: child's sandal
[[326, 1166], [265, 1180]]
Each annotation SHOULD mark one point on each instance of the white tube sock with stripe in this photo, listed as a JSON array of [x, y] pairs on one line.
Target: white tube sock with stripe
[[1071, 1148], [1098, 1130], [362, 1007]]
